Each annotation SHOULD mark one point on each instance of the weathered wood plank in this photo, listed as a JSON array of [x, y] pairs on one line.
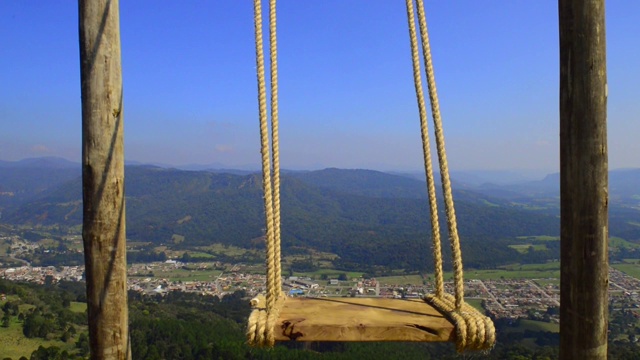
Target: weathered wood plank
[[103, 179], [584, 274], [361, 319]]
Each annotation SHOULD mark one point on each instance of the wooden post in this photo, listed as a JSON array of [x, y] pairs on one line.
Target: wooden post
[[103, 179], [583, 180]]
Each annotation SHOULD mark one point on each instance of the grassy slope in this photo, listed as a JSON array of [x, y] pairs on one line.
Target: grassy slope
[[14, 344], [630, 267]]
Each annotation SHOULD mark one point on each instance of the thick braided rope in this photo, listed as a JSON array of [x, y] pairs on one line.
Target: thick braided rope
[[265, 152], [442, 159], [261, 320], [426, 150], [474, 331], [260, 327], [275, 140]]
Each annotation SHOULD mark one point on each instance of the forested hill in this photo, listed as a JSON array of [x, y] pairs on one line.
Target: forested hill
[[382, 222], [364, 182], [22, 180]]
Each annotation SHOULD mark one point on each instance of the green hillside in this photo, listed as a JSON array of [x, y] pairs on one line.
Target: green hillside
[[365, 226]]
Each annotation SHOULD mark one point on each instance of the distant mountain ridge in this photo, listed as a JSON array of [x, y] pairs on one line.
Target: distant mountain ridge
[[362, 224], [361, 215], [23, 180], [49, 162]]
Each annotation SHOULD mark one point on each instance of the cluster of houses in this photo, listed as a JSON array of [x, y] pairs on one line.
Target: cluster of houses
[[501, 298], [40, 275]]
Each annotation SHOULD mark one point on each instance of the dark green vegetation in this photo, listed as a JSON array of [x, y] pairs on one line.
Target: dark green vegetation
[[24, 180], [190, 326], [373, 221], [42, 316], [368, 227]]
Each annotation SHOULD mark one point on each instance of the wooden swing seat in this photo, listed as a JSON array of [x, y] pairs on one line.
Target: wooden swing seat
[[361, 319]]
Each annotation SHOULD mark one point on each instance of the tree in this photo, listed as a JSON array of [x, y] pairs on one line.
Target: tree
[[83, 344], [6, 320]]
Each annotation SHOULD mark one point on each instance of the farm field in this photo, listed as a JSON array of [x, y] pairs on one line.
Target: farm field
[[527, 271], [538, 238], [78, 307], [15, 344], [401, 280], [476, 303], [524, 248], [630, 267]]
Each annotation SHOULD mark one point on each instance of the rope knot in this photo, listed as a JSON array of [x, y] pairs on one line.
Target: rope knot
[[474, 331], [261, 324]]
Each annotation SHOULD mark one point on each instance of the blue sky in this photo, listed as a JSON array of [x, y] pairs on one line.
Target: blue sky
[[346, 88]]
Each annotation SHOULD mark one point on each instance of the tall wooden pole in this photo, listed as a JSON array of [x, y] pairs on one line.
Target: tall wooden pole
[[583, 180], [103, 179]]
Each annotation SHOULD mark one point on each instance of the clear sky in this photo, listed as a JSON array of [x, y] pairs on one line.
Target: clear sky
[[346, 88]]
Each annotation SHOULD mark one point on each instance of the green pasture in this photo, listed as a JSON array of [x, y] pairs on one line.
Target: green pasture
[[177, 239], [401, 280], [515, 271], [533, 267], [4, 246], [545, 282], [201, 255], [630, 267], [503, 274], [13, 343], [538, 238], [617, 243], [331, 274], [524, 248], [227, 250], [476, 303], [78, 307]]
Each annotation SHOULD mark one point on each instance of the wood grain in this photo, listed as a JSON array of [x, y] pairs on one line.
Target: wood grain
[[361, 319]]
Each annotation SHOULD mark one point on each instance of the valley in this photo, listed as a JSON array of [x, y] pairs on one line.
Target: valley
[[345, 233]]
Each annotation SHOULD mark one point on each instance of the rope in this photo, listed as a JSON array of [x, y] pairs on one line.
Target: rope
[[426, 150], [474, 331], [275, 140], [442, 159], [260, 330]]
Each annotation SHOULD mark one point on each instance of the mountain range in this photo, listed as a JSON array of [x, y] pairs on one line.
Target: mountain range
[[363, 216]]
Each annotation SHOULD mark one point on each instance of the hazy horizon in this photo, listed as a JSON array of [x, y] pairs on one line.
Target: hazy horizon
[[498, 176]]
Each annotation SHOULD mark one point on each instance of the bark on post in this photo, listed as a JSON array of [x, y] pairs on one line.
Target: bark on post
[[583, 180], [103, 179]]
